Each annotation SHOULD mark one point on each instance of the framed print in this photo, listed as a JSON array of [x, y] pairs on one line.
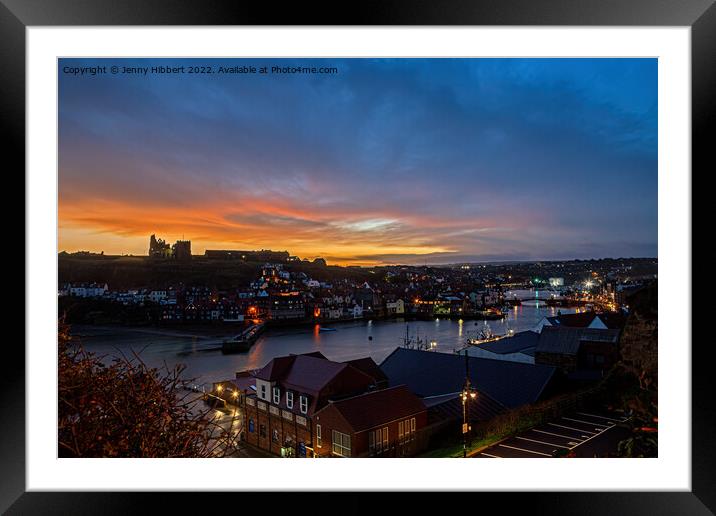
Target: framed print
[[414, 246]]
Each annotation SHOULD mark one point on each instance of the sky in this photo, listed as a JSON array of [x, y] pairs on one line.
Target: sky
[[410, 161]]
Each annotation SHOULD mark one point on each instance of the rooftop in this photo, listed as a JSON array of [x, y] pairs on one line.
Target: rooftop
[[521, 341], [428, 373], [376, 408], [567, 341]]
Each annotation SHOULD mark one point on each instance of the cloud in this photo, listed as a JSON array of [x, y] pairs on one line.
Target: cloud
[[513, 157]]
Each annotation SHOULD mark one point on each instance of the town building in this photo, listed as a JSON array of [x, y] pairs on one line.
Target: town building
[[87, 289], [395, 307], [289, 391], [599, 321], [519, 347], [382, 423], [286, 306], [589, 351], [431, 374]]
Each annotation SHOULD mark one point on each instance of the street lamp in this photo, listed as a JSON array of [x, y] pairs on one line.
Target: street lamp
[[468, 394]]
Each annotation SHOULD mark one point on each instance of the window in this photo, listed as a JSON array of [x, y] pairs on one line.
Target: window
[[274, 435], [412, 425], [276, 395], [341, 444], [318, 436], [289, 399], [304, 404], [262, 430], [263, 391], [380, 440], [400, 432], [371, 441]]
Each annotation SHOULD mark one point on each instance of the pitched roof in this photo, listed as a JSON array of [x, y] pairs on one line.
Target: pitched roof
[[275, 369], [518, 342], [449, 406], [566, 341], [428, 373], [369, 367], [311, 374], [613, 320], [579, 320], [315, 354], [377, 407]]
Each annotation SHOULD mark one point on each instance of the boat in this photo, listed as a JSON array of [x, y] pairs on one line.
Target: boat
[[485, 335], [416, 342]]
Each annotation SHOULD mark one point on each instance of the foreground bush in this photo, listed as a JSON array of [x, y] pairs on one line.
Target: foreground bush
[[126, 409]]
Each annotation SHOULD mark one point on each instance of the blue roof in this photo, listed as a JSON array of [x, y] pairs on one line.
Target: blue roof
[[566, 341], [518, 342], [428, 373]]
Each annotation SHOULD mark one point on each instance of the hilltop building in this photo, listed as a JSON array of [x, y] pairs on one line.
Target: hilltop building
[[159, 248], [181, 250]]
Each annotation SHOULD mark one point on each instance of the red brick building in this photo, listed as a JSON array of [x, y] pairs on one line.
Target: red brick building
[[374, 424], [289, 391]]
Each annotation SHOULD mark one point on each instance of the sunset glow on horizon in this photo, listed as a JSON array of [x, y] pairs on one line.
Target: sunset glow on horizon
[[388, 161]]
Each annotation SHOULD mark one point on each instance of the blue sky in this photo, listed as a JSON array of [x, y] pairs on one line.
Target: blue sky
[[386, 161]]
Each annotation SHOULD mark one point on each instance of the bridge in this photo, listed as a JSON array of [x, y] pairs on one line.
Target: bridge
[[532, 295]]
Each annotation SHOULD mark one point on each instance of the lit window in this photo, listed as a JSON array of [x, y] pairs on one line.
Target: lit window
[[318, 436], [304, 404], [276, 395], [341, 444], [385, 438], [289, 399], [412, 425]]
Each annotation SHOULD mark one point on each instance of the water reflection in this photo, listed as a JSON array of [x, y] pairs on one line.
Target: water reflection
[[204, 361]]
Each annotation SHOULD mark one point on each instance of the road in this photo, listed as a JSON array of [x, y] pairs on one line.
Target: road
[[592, 433]]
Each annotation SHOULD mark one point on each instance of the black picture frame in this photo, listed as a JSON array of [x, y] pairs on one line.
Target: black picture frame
[[700, 15]]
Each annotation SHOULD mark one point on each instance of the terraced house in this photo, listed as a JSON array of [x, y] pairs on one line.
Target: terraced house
[[289, 391]]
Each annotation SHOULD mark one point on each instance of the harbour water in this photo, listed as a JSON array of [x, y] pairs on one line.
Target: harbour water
[[200, 352]]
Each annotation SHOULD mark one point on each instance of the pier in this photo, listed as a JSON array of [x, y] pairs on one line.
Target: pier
[[244, 340]]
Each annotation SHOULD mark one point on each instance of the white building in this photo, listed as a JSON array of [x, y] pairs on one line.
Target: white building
[[92, 290], [556, 282], [396, 307], [157, 296]]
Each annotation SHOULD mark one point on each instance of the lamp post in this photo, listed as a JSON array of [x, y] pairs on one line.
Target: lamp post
[[468, 393]]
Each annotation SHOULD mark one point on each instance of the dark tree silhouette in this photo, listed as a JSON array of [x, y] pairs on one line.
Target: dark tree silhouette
[[125, 409], [639, 347]]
